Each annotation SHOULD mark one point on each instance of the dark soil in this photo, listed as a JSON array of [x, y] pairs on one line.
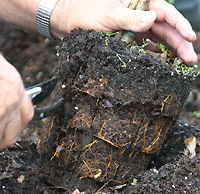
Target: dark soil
[[24, 169], [119, 115]]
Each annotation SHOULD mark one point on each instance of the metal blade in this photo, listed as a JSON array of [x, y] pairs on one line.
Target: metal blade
[[46, 89], [33, 92], [41, 113]]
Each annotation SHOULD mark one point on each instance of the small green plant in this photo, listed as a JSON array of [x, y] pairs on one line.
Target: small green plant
[[183, 69], [135, 180], [120, 59], [44, 120], [145, 43], [58, 53], [171, 1], [163, 49], [180, 68], [109, 34], [197, 114], [107, 40], [62, 39], [134, 43], [141, 49]]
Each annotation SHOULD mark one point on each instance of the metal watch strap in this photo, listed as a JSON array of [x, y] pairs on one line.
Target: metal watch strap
[[43, 17]]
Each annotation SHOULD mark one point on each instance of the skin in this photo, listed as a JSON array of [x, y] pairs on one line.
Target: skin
[[15, 106], [163, 23], [173, 30]]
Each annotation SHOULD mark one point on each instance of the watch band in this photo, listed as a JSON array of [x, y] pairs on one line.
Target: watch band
[[43, 17]]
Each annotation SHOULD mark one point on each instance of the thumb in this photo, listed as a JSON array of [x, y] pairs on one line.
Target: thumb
[[125, 2], [135, 20]]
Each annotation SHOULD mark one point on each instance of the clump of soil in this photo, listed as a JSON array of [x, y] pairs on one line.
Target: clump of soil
[[119, 105]]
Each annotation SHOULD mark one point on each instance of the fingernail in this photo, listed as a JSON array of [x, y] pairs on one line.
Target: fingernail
[[126, 2], [194, 34], [144, 17], [148, 16], [190, 30]]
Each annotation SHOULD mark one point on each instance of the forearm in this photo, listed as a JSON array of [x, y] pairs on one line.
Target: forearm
[[21, 13]]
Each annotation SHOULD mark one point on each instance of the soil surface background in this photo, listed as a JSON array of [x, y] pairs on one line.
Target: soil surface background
[[170, 170]]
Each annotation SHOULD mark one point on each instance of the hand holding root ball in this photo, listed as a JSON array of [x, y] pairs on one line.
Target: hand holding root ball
[[162, 23]]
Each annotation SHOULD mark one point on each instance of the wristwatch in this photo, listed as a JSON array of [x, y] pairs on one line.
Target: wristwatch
[[43, 17]]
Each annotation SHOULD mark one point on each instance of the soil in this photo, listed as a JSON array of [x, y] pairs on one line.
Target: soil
[[24, 169]]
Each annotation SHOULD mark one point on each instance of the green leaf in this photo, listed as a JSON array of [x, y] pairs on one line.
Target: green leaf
[[171, 1], [197, 114], [135, 180]]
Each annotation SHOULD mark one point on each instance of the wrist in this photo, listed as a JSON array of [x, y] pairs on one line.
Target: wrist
[[59, 19]]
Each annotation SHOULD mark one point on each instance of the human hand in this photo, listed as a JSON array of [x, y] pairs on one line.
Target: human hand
[[163, 23], [171, 29], [15, 106]]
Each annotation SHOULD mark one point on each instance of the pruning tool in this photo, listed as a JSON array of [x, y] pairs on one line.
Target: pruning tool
[[38, 93]]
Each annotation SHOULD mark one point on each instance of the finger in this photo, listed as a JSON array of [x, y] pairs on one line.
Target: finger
[[183, 48], [167, 12], [26, 110], [122, 18], [2, 127], [12, 130], [138, 37], [125, 2], [14, 121]]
